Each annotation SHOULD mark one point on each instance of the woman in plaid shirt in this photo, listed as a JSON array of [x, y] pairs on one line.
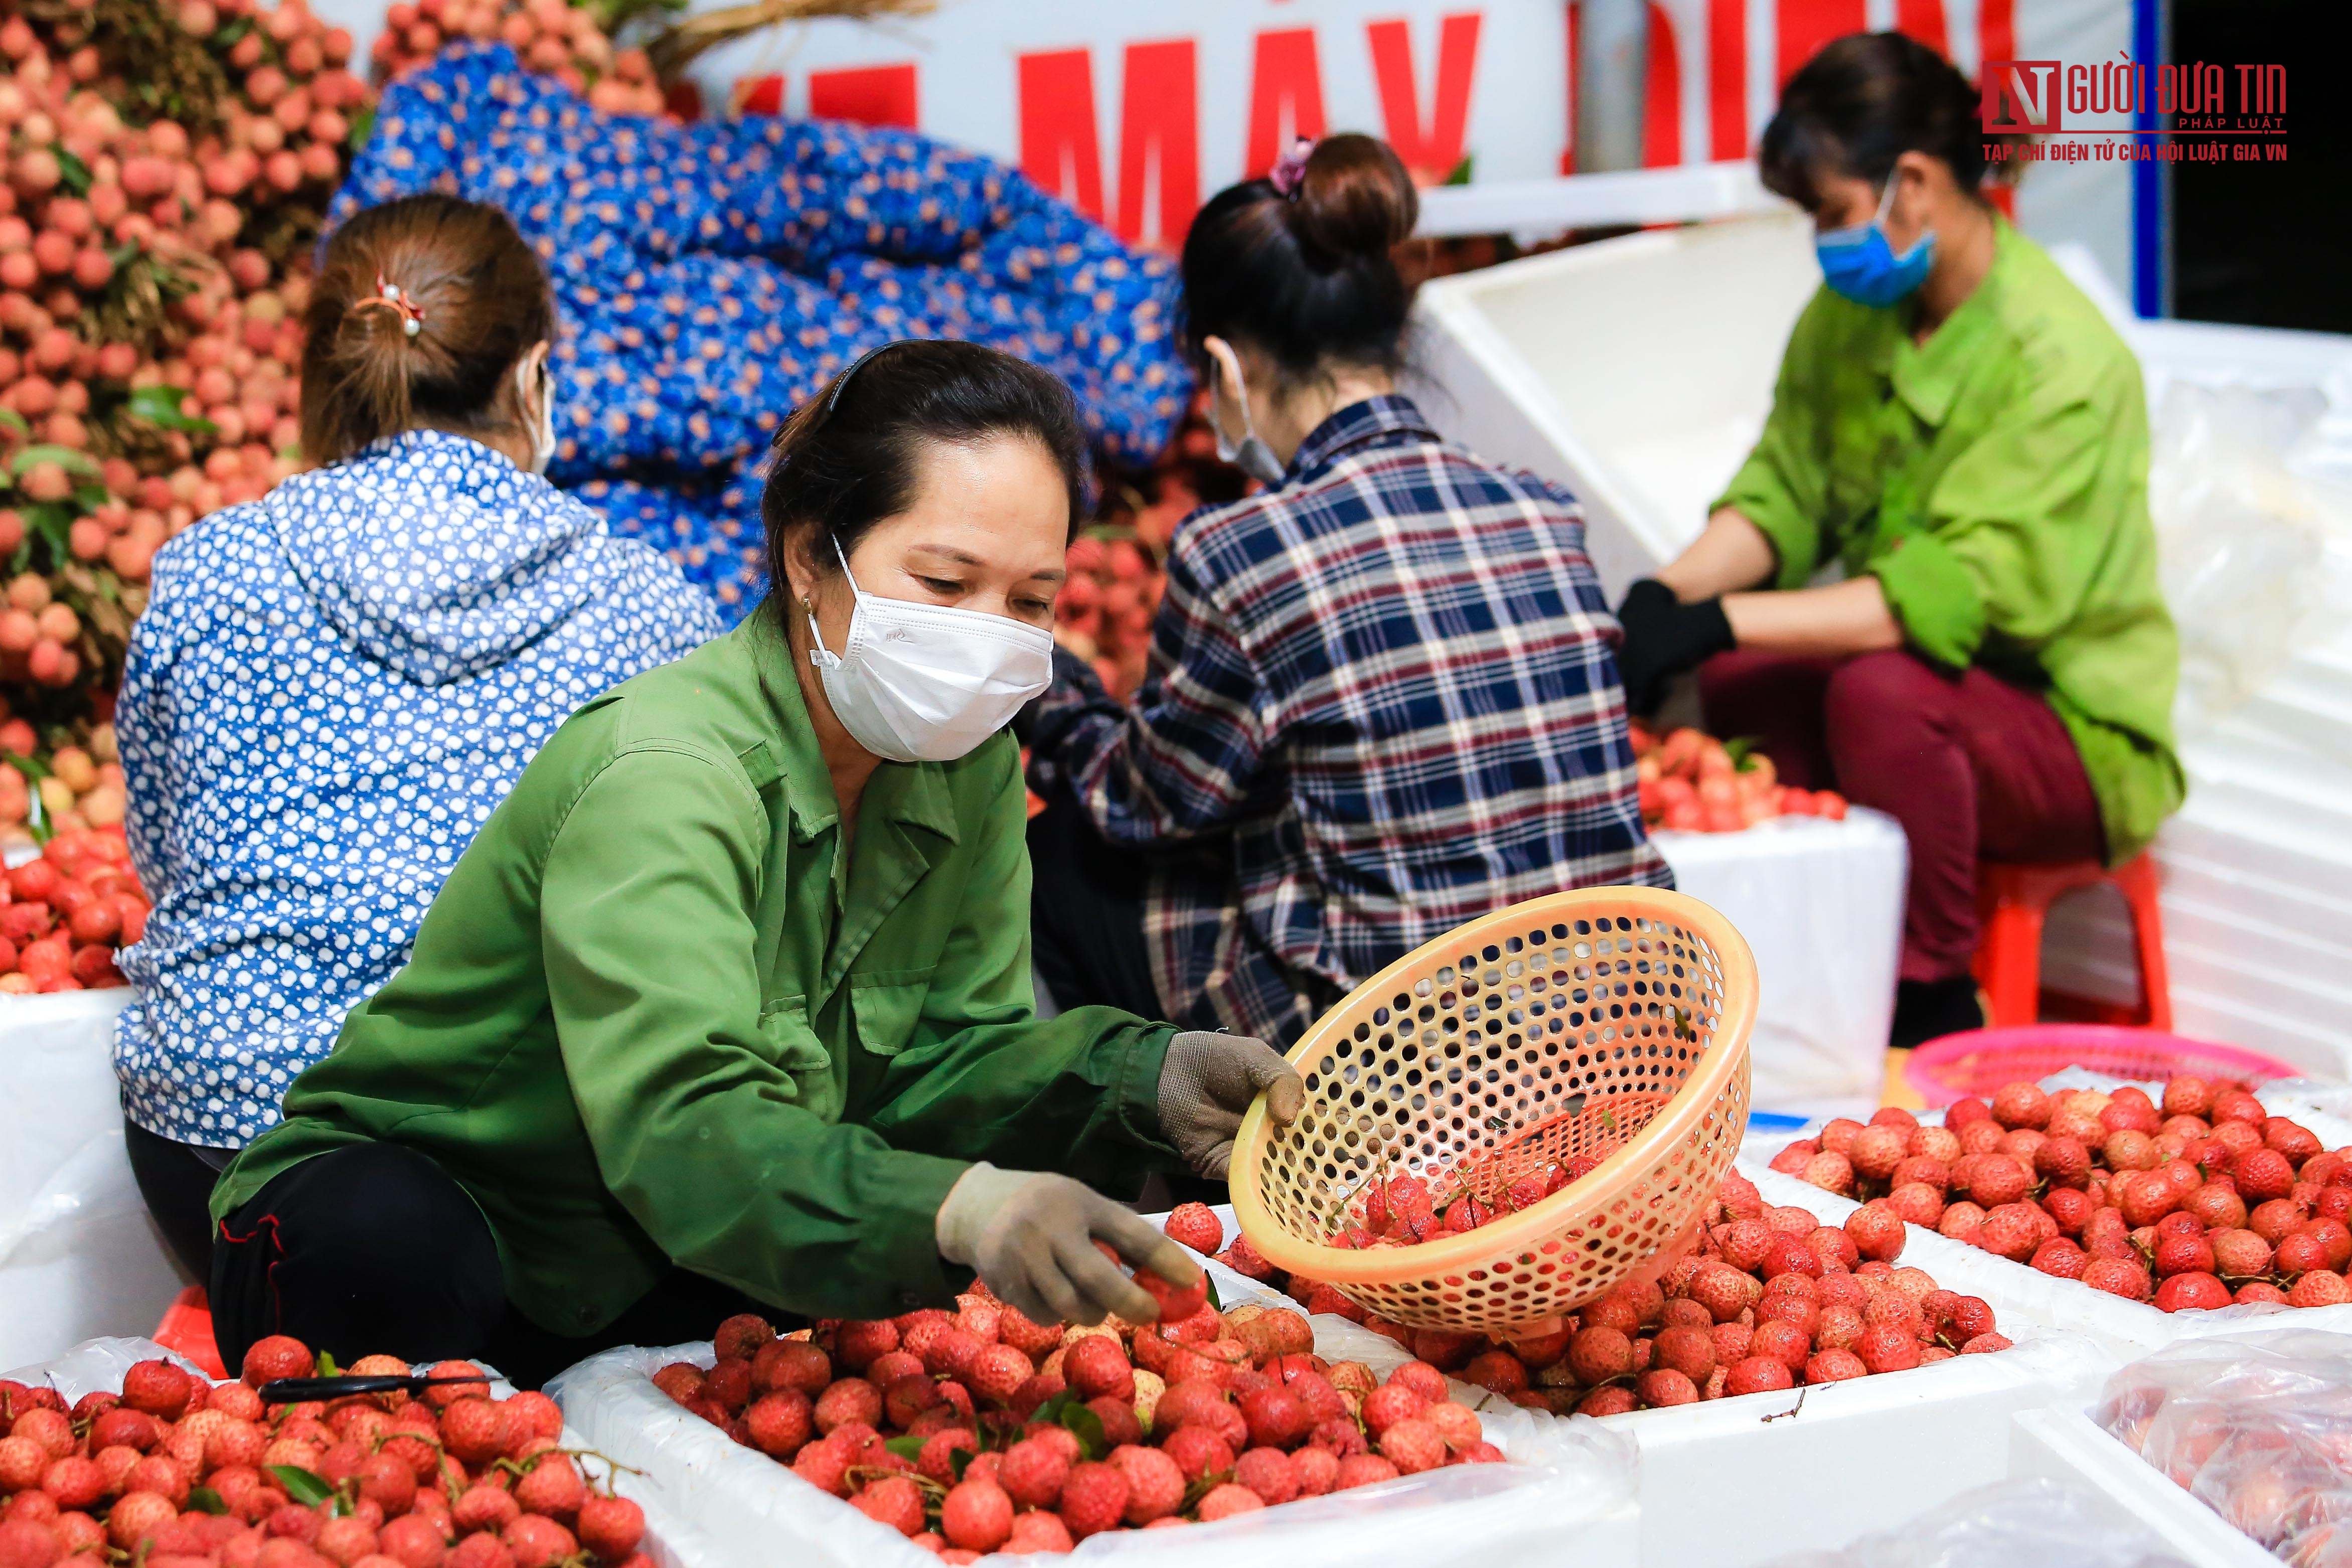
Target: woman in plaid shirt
[[1382, 697]]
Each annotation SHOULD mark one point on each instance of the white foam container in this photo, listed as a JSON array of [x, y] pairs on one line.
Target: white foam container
[[1733, 1482], [96, 1366], [1567, 1497], [2068, 1446], [1636, 371], [2017, 1293]]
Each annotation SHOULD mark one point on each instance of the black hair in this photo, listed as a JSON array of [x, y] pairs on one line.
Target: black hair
[[1311, 276], [471, 300], [852, 454], [1863, 102]]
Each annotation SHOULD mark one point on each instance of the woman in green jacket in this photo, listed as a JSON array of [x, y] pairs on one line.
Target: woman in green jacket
[[732, 997], [1960, 431]]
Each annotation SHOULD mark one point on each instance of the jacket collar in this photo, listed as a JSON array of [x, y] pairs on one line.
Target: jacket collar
[[915, 794], [1388, 420], [1929, 376]]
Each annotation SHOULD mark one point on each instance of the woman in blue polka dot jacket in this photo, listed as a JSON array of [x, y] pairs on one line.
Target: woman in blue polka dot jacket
[[334, 685]]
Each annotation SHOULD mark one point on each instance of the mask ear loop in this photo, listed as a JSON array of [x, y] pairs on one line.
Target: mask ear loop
[[821, 656], [1241, 396]]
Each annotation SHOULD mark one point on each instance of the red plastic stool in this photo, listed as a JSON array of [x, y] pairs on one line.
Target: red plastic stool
[[2011, 903], [187, 1330]]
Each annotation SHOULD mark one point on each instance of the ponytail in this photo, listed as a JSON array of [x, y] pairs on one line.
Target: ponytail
[[1302, 265], [421, 310]]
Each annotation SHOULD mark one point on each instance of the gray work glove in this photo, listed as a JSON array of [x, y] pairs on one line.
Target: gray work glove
[[1206, 1083], [1030, 1235]]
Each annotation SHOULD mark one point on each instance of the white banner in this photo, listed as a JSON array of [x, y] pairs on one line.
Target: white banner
[[1137, 111]]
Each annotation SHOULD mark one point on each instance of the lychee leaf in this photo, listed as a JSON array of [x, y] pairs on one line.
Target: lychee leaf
[[1087, 1427], [204, 1500], [1209, 1280], [159, 406], [66, 458], [909, 1447], [958, 1459], [302, 1486], [327, 1367], [1052, 1410], [12, 420], [73, 174]]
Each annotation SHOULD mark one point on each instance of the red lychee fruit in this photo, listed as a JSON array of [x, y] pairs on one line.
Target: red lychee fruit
[[1196, 1225]]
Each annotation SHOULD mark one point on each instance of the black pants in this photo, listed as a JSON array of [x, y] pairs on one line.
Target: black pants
[[1086, 914], [1086, 933], [374, 1249], [175, 1181]]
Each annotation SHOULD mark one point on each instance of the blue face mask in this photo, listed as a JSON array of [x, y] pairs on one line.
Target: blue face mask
[[1860, 264]]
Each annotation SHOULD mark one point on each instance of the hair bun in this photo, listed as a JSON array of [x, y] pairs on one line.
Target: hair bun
[[1355, 200]]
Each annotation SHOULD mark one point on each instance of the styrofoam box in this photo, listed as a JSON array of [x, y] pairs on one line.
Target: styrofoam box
[[1637, 372], [1842, 1457], [2068, 1446], [1574, 1505], [96, 1366], [1736, 1481], [2025, 1295]]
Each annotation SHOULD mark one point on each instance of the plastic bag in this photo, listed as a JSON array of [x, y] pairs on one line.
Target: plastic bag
[[2035, 1523], [2254, 544], [79, 1256], [749, 1508], [2258, 1428]]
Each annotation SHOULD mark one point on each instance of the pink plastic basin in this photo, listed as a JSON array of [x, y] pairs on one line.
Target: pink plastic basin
[[1980, 1062]]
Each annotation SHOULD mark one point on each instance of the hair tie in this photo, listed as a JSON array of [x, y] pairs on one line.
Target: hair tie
[[1289, 171], [388, 297]]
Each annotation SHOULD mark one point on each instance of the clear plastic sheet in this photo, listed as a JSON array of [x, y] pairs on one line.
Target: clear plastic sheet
[[1562, 1476], [2254, 538], [2258, 1428], [79, 1257], [2034, 1522]]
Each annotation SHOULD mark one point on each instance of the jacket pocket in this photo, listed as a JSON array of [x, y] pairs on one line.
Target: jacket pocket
[[801, 1056], [887, 1003]]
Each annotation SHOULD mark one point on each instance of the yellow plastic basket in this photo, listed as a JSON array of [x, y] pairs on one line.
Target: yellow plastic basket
[[1609, 1021]]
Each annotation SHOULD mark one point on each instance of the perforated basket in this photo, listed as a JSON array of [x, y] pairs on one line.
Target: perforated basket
[[1609, 1021]]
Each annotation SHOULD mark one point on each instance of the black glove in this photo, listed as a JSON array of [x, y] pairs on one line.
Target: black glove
[[1664, 637]]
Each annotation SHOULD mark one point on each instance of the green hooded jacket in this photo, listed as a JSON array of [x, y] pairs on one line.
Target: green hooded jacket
[[656, 1016], [1994, 479]]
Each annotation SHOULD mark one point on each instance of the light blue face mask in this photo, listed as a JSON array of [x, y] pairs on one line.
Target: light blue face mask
[[1860, 264]]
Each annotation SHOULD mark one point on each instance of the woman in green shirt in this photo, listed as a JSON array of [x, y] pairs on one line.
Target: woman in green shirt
[[732, 997], [1959, 432]]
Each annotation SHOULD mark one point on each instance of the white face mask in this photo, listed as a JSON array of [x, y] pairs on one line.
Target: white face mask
[[928, 683], [543, 433], [1252, 457]]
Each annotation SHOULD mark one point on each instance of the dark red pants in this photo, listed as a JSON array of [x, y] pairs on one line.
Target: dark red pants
[[1973, 768]]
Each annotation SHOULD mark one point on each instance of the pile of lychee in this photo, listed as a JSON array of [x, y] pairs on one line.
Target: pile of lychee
[[1692, 783], [174, 1472], [64, 916], [550, 36], [1769, 1298], [980, 1430], [1105, 610], [2197, 1201]]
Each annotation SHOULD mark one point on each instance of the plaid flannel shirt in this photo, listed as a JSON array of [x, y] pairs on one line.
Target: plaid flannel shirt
[[1382, 699]]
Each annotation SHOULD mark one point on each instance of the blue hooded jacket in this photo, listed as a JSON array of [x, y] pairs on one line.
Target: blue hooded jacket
[[330, 692]]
